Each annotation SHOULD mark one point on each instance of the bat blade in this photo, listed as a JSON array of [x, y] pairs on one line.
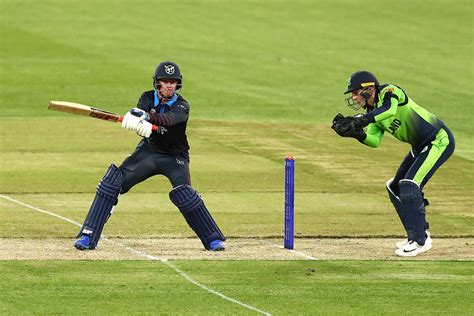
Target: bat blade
[[81, 109]]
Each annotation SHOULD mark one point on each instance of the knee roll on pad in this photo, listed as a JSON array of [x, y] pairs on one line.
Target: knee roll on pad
[[413, 204], [105, 199], [190, 204]]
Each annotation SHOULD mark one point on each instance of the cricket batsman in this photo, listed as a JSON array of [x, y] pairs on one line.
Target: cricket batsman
[[161, 152], [389, 109]]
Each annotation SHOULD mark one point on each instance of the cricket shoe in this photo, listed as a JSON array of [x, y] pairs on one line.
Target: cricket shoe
[[217, 245], [412, 248], [83, 243], [402, 243]]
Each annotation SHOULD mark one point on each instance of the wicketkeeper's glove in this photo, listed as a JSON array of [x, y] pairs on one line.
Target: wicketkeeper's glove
[[350, 126]]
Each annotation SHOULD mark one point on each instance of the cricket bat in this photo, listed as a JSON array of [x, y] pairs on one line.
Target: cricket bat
[[81, 109]]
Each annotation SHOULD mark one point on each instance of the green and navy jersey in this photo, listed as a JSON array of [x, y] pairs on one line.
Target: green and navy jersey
[[394, 112]]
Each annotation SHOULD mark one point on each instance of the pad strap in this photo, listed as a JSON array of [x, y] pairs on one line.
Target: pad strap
[[196, 214]]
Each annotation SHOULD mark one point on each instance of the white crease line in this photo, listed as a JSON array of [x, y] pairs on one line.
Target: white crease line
[[290, 250], [144, 254]]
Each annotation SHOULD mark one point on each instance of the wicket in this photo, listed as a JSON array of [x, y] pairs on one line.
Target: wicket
[[289, 202]]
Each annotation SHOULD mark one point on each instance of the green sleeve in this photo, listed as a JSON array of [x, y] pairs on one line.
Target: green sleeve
[[389, 112], [374, 135], [387, 105]]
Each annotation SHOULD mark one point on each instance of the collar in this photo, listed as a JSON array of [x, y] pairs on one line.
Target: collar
[[170, 102]]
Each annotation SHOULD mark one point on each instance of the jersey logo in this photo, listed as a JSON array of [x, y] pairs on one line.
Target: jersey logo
[[387, 90], [394, 126], [161, 130]]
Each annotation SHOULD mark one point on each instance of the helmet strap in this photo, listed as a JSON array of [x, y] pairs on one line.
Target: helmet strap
[[365, 93]]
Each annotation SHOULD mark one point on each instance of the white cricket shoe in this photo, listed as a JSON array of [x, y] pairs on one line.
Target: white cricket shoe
[[428, 239], [412, 248], [403, 243]]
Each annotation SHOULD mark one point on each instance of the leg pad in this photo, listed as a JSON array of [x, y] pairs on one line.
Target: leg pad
[[398, 205], [413, 204], [190, 204], [106, 197]]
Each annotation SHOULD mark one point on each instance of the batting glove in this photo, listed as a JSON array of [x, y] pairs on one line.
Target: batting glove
[[144, 129], [141, 114], [131, 121]]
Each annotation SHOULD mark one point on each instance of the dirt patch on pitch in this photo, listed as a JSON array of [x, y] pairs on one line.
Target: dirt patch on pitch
[[237, 249]]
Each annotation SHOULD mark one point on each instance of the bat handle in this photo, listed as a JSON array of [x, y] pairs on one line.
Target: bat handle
[[153, 127]]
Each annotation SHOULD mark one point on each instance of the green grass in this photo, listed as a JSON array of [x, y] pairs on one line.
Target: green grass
[[285, 288], [264, 79], [242, 60], [240, 175], [240, 214]]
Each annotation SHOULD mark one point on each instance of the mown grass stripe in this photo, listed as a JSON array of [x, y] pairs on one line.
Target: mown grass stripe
[[144, 254]]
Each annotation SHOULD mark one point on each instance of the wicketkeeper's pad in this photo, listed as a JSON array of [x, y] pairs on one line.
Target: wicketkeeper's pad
[[413, 204]]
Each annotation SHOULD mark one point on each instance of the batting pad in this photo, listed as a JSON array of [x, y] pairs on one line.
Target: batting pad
[[196, 214], [106, 197]]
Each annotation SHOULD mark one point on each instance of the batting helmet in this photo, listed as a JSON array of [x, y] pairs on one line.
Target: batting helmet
[[360, 80], [168, 70]]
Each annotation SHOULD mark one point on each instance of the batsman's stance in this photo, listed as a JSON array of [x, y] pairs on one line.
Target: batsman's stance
[[389, 109], [162, 152]]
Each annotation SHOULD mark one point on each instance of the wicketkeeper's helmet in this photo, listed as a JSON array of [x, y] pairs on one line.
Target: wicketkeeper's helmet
[[361, 80], [168, 70]]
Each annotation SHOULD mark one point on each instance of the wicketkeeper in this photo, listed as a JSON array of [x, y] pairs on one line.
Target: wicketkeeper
[[389, 109], [162, 152]]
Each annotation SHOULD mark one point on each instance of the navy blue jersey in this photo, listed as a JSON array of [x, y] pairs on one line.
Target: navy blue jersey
[[171, 118]]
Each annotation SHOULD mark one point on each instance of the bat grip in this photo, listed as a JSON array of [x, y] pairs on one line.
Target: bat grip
[[153, 127]]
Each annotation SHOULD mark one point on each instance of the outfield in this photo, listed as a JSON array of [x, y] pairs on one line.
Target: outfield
[[264, 79]]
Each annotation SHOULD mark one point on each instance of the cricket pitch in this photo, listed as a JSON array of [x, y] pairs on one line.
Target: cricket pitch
[[237, 249]]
